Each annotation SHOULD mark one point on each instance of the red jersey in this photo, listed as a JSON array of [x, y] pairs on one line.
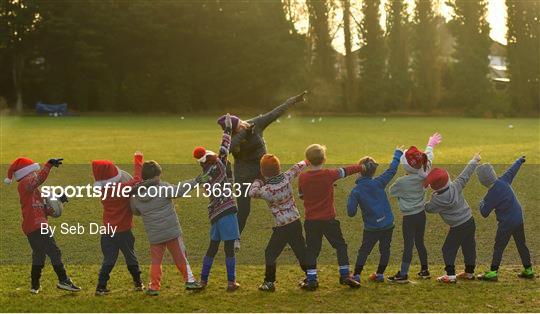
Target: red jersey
[[33, 209], [316, 189], [116, 209]]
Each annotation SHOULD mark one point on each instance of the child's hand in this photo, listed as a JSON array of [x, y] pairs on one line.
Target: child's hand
[[400, 148], [138, 153], [63, 198], [477, 157], [301, 97], [55, 162], [434, 140]]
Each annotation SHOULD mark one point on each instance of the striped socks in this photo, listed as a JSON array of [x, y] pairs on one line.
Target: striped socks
[[344, 271], [311, 275]]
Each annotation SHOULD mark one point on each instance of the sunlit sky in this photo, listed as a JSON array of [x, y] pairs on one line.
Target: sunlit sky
[[496, 16]]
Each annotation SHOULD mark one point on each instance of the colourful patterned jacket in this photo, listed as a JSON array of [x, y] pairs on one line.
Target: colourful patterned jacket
[[278, 194], [222, 202]]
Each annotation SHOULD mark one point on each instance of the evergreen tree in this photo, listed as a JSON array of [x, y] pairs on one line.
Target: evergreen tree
[[523, 38], [398, 81], [471, 88], [18, 23], [425, 57], [372, 58]]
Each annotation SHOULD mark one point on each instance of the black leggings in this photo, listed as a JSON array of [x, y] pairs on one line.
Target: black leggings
[[44, 245], [414, 227], [214, 246], [281, 236], [501, 241], [369, 239], [461, 236]]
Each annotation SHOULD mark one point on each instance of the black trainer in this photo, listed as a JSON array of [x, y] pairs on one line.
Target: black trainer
[[309, 285], [424, 274], [399, 278], [101, 291], [68, 285], [138, 286], [349, 281]]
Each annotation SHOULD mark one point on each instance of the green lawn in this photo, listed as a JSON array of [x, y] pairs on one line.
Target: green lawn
[[170, 141]]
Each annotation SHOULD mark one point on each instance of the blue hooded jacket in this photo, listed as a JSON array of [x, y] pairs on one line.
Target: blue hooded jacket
[[369, 194], [502, 198]]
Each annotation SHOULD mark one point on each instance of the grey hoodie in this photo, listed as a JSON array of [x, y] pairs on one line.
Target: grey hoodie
[[409, 189], [451, 204], [159, 213]]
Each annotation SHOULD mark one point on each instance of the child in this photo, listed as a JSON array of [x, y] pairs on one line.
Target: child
[[447, 200], [161, 223], [502, 198], [117, 214], [369, 193], [221, 210], [316, 188], [410, 192], [277, 191], [34, 213]]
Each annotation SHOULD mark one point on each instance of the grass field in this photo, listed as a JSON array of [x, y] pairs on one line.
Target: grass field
[[170, 141]]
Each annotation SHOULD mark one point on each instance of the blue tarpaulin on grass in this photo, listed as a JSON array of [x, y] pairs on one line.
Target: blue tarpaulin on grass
[[60, 109]]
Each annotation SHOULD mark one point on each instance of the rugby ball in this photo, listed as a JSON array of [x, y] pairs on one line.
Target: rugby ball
[[56, 206]]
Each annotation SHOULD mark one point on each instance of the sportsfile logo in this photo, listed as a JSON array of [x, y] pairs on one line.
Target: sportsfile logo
[[181, 189]]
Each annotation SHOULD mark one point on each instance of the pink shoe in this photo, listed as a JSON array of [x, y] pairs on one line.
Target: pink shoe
[[447, 279]]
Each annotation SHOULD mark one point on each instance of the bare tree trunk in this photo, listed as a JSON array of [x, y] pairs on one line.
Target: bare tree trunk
[[349, 62], [17, 74]]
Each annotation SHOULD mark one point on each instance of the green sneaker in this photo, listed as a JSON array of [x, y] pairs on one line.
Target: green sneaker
[[153, 293], [527, 273], [490, 275], [194, 285]]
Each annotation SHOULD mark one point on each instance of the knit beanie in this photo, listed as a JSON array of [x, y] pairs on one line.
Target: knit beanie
[[234, 120], [486, 174], [437, 179], [270, 166]]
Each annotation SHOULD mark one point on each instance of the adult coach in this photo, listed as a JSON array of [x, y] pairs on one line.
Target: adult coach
[[247, 147]]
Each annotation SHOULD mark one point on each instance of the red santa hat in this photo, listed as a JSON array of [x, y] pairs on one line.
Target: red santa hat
[[414, 159], [437, 179], [20, 168], [201, 154], [105, 172]]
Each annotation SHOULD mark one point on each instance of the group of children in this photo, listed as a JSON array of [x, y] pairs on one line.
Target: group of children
[[315, 189]]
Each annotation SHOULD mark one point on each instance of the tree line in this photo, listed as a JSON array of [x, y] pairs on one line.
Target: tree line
[[192, 56]]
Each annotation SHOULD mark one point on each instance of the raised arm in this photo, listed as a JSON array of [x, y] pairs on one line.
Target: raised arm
[[343, 172], [295, 170], [38, 179], [386, 176], [266, 119], [225, 140], [465, 175], [137, 170], [433, 141], [511, 172], [256, 190]]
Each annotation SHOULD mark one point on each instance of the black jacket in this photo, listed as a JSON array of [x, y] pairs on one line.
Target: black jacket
[[248, 145]]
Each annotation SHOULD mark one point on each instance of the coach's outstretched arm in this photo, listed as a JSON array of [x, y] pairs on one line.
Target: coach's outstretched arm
[[266, 119]]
